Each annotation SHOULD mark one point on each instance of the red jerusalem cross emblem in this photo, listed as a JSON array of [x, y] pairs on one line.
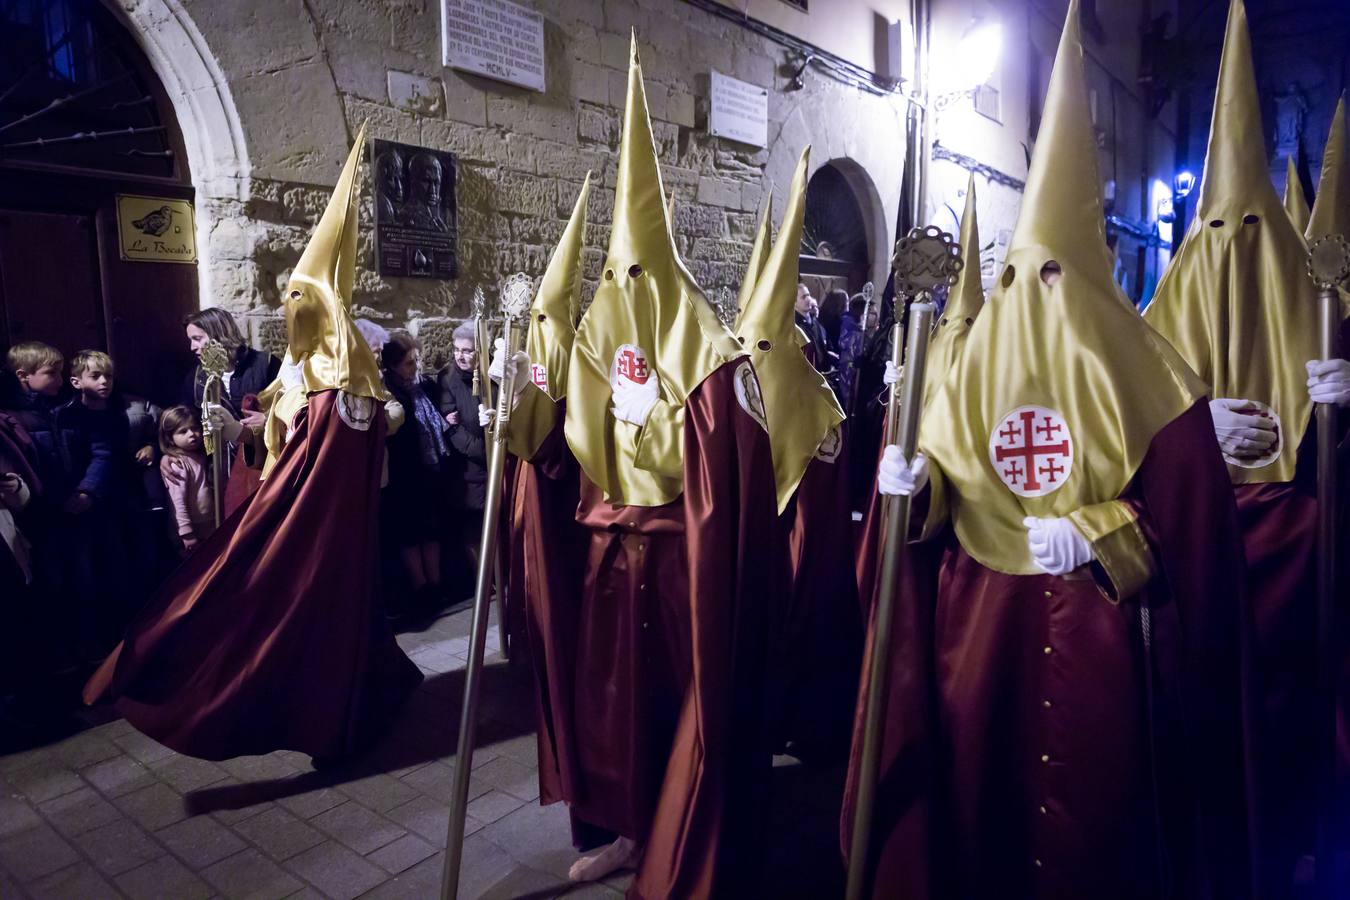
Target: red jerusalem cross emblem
[[630, 364], [539, 375], [1032, 451]]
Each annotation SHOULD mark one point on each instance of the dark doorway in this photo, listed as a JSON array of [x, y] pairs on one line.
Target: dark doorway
[[834, 250], [83, 119]]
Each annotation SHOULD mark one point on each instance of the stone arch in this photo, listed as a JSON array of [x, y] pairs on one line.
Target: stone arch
[[873, 215], [212, 133]]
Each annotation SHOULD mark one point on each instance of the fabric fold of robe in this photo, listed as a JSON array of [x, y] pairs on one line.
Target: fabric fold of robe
[[671, 689], [1024, 712], [271, 634]]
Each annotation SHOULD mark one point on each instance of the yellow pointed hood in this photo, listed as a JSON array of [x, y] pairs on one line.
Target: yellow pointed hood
[[647, 305], [1295, 203], [1236, 301], [1331, 206], [964, 302], [759, 254], [1068, 368], [321, 334], [801, 410]]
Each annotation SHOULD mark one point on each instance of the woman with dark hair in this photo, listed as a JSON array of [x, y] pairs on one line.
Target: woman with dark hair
[[253, 369], [410, 504], [832, 311]]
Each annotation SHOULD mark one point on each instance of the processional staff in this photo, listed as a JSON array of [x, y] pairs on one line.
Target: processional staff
[[1329, 266], [516, 298], [482, 391], [215, 360], [923, 259]]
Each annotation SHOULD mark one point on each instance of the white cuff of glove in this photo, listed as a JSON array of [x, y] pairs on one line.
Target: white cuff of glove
[[1329, 381], [1057, 546], [485, 416], [220, 421], [897, 478]]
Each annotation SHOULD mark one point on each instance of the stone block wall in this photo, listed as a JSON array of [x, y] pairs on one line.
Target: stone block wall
[[304, 74]]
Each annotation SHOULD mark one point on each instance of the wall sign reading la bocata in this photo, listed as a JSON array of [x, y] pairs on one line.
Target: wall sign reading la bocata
[[416, 228], [499, 39]]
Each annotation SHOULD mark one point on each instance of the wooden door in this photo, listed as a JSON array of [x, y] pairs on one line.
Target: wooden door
[[50, 286]]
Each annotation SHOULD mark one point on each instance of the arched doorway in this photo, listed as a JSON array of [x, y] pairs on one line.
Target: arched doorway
[[836, 252], [83, 121]]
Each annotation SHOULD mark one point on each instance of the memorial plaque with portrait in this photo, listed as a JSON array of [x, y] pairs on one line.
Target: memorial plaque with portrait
[[416, 229]]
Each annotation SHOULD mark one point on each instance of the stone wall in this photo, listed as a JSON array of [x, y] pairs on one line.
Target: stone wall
[[303, 74]]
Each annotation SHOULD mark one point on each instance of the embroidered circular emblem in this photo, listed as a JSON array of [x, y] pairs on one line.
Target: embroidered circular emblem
[[539, 375], [629, 366], [748, 394], [829, 448], [1260, 410], [356, 411], [1032, 451]]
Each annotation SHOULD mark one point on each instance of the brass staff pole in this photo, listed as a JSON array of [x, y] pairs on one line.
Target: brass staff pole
[[1329, 265], [487, 552], [897, 527], [481, 388], [214, 361]]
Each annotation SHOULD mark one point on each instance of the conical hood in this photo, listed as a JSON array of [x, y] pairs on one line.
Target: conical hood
[[321, 335], [1236, 177], [800, 407], [1295, 204], [1236, 301], [648, 315], [1062, 205], [964, 303], [1061, 387], [759, 254], [1331, 207], [557, 306]]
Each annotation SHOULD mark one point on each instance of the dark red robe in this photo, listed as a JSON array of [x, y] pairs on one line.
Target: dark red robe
[[271, 635], [1033, 712], [823, 642], [548, 567], [671, 688]]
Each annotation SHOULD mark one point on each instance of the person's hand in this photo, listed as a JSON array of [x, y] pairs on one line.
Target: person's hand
[[146, 455], [452, 418], [897, 478], [515, 367], [1241, 434], [891, 376], [1329, 381], [485, 416], [222, 422], [254, 419], [78, 503], [1057, 546], [633, 402], [10, 484], [189, 541]]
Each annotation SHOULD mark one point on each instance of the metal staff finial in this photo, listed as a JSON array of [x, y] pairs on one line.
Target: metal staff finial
[[923, 259], [215, 361], [516, 296]]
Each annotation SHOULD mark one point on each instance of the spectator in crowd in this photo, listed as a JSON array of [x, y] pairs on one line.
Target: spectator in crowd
[[410, 506], [28, 627], [36, 368], [851, 340], [253, 369], [459, 408], [186, 475], [805, 314], [832, 311]]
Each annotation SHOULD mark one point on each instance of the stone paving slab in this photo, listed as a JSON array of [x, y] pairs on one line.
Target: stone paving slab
[[109, 812]]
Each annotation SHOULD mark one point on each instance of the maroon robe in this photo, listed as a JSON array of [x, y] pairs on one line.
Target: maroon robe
[[867, 555], [271, 635], [548, 567], [671, 692], [823, 643], [1032, 715]]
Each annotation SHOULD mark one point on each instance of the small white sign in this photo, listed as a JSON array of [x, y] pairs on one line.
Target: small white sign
[[498, 39], [740, 111]]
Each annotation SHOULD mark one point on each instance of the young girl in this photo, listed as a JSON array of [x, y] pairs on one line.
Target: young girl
[[186, 475]]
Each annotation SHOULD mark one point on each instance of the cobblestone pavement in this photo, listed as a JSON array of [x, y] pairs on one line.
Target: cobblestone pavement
[[108, 812]]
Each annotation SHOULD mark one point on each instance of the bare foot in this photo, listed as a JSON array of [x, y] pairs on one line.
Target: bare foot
[[622, 854]]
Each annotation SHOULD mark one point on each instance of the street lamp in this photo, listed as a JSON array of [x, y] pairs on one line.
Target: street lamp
[[973, 63]]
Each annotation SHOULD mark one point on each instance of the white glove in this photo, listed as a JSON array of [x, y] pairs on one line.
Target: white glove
[[291, 374], [485, 416], [221, 421], [896, 478], [892, 374], [1057, 546], [515, 367], [1329, 381], [1241, 435], [633, 402]]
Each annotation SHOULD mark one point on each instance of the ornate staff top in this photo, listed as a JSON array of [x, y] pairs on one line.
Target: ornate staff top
[[1329, 261], [923, 259], [215, 361]]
